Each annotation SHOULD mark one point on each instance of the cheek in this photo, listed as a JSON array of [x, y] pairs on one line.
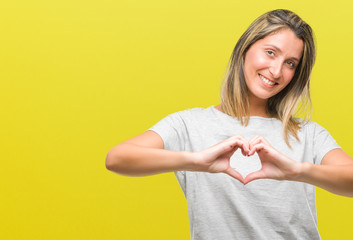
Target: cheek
[[259, 62], [253, 63], [288, 75]]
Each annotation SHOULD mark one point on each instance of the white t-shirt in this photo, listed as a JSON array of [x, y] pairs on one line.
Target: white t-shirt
[[222, 208]]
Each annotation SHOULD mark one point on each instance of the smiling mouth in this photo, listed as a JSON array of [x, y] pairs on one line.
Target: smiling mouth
[[267, 81]]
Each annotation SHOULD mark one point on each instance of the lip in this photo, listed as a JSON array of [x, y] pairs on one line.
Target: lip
[[265, 84]]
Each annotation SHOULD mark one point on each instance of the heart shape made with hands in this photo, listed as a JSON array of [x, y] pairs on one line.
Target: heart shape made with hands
[[245, 164], [251, 160], [263, 161]]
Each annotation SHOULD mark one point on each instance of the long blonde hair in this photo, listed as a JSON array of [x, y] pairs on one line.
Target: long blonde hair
[[295, 97]]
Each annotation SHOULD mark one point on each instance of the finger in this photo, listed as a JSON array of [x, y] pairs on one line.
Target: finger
[[233, 173], [254, 176], [256, 148], [243, 152], [255, 140], [225, 149], [244, 146], [236, 143], [230, 145], [264, 140], [256, 137], [258, 140], [224, 146]]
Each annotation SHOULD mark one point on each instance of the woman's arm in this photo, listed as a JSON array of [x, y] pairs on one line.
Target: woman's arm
[[335, 174], [144, 155]]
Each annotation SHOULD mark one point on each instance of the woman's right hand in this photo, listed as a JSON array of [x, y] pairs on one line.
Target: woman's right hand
[[144, 155], [216, 159]]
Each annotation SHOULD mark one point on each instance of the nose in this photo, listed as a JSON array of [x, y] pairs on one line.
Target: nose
[[276, 69]]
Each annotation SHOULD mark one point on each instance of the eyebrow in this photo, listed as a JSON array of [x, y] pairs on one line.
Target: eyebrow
[[279, 50]]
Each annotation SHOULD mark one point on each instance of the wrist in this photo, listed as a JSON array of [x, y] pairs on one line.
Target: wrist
[[190, 161], [302, 170], [195, 162]]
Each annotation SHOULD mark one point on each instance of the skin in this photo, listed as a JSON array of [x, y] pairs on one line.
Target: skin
[[274, 57]]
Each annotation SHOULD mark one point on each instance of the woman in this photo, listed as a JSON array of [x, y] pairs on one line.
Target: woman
[[251, 135]]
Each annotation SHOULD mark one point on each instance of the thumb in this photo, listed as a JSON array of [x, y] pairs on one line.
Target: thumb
[[254, 175], [233, 173]]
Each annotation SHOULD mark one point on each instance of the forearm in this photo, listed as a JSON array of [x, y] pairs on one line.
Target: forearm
[[337, 179], [133, 160]]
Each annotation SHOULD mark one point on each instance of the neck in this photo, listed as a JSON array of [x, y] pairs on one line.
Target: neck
[[255, 110], [258, 107]]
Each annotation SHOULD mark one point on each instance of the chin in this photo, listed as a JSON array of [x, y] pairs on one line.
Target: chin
[[263, 96]]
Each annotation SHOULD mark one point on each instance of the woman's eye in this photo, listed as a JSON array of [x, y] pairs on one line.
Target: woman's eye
[[291, 64], [270, 52]]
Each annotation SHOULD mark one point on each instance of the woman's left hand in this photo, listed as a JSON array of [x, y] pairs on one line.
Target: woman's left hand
[[275, 165]]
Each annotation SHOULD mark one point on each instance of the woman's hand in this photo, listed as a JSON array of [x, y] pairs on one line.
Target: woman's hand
[[216, 159], [275, 165]]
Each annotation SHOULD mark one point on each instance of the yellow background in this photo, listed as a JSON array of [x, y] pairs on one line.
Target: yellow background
[[79, 77]]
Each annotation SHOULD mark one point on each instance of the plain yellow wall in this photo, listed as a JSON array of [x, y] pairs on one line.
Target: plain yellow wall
[[79, 77]]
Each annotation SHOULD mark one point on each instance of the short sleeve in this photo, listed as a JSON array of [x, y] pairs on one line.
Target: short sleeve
[[172, 130], [323, 143]]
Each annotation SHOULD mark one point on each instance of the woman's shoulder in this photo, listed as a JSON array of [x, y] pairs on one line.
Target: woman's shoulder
[[310, 126], [195, 112], [192, 116], [307, 123]]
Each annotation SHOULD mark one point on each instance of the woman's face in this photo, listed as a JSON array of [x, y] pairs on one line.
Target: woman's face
[[270, 63]]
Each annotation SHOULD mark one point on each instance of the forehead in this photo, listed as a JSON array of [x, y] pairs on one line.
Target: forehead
[[285, 41]]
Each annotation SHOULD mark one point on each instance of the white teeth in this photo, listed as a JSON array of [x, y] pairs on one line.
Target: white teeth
[[267, 81]]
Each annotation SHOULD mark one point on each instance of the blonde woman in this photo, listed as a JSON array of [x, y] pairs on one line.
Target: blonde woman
[[248, 167]]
